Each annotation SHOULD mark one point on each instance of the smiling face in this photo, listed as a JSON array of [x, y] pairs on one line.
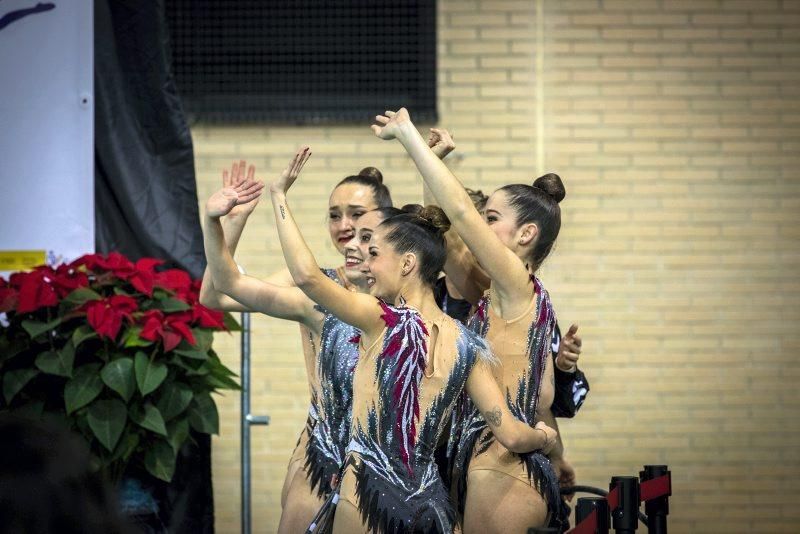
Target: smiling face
[[356, 251], [383, 267], [347, 204], [502, 219]]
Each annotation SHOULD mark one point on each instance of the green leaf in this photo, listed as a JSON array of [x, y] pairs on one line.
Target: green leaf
[[57, 363], [131, 338], [81, 334], [203, 339], [149, 375], [170, 305], [231, 323], [177, 433], [13, 347], [119, 376], [14, 381], [83, 388], [218, 367], [160, 460], [81, 296], [160, 294], [37, 328], [203, 414], [126, 446], [195, 354], [150, 418], [222, 382], [107, 419], [174, 400]]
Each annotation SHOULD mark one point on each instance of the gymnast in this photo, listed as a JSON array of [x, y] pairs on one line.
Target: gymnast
[[329, 357], [502, 490], [414, 361]]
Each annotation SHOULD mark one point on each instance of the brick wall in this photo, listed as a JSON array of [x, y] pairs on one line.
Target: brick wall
[[676, 128]]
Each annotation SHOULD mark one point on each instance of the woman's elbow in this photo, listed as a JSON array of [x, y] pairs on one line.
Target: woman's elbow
[[207, 300], [517, 439], [306, 280]]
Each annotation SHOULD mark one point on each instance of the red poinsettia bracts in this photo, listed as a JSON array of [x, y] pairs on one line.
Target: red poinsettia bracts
[[208, 318], [188, 290], [35, 290], [8, 296], [140, 275], [66, 279], [170, 329], [175, 280], [106, 315]]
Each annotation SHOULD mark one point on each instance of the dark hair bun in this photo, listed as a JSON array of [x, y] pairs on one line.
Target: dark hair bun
[[551, 184], [436, 217], [412, 208], [372, 173]]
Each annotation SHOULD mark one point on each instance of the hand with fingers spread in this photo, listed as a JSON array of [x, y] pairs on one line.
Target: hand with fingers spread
[[569, 351], [239, 173], [291, 172], [392, 124], [550, 436], [441, 142], [224, 200]]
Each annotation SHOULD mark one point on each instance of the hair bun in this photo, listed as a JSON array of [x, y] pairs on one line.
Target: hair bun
[[372, 173], [551, 184], [436, 217], [413, 209]]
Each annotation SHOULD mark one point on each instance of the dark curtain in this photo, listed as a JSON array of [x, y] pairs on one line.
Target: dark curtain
[[146, 196]]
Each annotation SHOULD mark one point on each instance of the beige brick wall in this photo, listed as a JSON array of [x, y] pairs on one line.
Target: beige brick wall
[[676, 127]]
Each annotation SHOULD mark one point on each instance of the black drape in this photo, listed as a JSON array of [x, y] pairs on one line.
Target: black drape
[[146, 195]]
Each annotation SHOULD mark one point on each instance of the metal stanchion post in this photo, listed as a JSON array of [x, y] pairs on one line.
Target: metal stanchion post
[[656, 509], [247, 419], [625, 517], [587, 505]]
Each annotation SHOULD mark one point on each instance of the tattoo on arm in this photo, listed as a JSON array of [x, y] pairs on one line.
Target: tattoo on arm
[[283, 212], [494, 416], [553, 379]]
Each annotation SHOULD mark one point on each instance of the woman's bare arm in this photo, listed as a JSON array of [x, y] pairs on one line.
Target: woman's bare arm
[[507, 271], [359, 310], [512, 433]]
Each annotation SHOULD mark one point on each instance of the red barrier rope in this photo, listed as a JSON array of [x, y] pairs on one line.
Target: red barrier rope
[[648, 490], [655, 488], [587, 526]]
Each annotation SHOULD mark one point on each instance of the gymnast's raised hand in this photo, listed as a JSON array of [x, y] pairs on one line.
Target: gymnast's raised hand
[[291, 172], [223, 201]]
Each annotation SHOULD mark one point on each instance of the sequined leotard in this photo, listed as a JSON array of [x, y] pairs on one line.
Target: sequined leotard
[[338, 356], [404, 393], [331, 392], [523, 346]]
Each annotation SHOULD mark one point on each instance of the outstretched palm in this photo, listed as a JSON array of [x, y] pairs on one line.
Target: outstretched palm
[[292, 171], [224, 200], [237, 176]]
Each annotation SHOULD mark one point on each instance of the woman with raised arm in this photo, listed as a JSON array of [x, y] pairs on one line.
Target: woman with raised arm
[[413, 363], [321, 453], [350, 199], [505, 491], [465, 277]]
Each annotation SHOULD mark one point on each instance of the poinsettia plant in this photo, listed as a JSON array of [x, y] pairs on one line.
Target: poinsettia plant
[[120, 350]]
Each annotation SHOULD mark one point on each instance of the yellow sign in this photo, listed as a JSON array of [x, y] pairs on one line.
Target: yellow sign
[[20, 260]]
